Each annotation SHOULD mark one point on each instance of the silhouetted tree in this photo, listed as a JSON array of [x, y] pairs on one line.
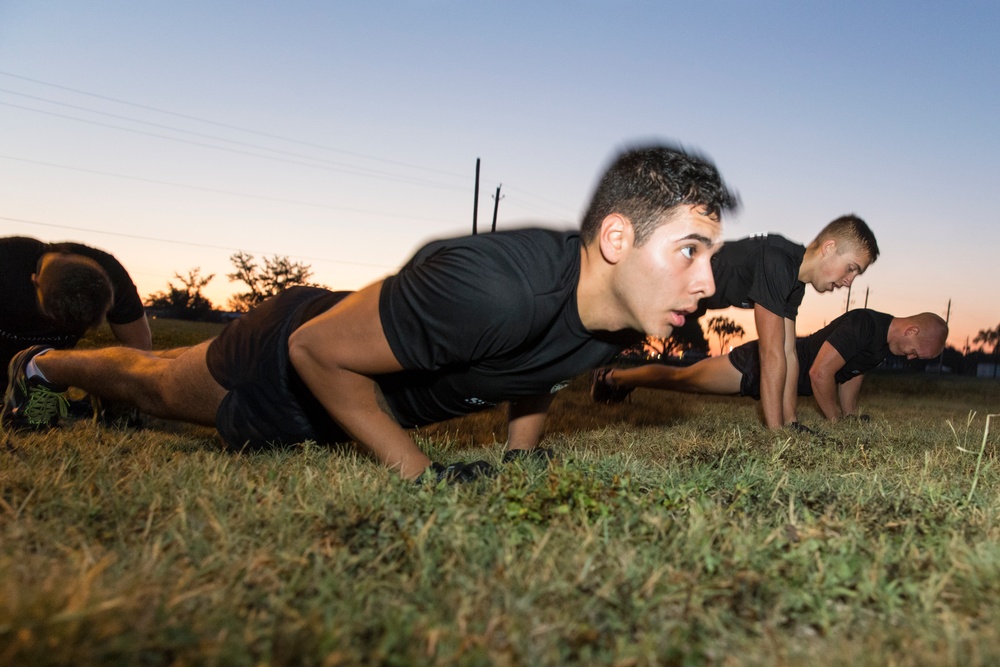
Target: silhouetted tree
[[277, 275], [688, 338], [989, 337], [726, 329], [184, 302]]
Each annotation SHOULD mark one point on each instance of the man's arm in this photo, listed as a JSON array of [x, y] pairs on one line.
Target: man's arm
[[790, 396], [849, 394], [337, 355], [526, 421], [134, 334], [773, 365], [822, 376]]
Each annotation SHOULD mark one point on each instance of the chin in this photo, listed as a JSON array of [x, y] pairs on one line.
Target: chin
[[665, 332]]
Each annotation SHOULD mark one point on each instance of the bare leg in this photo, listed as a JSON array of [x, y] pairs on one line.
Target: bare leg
[[172, 353], [178, 387], [715, 375]]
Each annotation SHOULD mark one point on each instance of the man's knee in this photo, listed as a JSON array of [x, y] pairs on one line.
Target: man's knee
[[186, 389]]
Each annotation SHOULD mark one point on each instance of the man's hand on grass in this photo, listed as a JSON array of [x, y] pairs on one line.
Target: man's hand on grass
[[456, 473]]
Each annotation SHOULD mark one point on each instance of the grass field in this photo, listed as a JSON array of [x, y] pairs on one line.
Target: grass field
[[671, 531]]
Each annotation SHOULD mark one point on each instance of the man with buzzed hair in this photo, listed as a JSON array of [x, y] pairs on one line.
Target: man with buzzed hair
[[466, 324], [54, 292], [833, 361], [769, 273]]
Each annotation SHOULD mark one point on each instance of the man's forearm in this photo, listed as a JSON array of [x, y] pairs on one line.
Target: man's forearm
[[825, 393], [355, 402], [134, 334], [848, 393], [772, 383], [369, 422], [526, 421], [791, 391]]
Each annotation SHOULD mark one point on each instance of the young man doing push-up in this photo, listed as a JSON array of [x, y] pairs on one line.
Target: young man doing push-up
[[833, 362], [466, 324], [769, 274]]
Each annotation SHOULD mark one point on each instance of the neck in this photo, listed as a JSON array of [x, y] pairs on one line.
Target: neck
[[896, 328], [596, 306], [808, 266]]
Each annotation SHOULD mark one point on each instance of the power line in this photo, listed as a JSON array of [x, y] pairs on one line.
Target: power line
[[383, 175], [223, 125], [191, 243], [349, 169], [218, 191], [361, 170]]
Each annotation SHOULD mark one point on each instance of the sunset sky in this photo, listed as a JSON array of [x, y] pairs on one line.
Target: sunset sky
[[345, 135]]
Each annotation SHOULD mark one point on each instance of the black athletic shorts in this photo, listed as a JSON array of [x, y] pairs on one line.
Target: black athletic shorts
[[268, 404], [746, 359]]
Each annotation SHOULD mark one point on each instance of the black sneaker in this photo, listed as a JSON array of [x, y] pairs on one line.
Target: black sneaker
[[602, 392], [116, 414], [542, 454], [31, 402]]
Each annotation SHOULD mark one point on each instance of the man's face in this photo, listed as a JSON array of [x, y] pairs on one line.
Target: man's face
[[839, 266], [661, 281], [912, 345]]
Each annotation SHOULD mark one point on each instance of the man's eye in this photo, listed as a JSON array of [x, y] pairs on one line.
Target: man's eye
[[688, 251]]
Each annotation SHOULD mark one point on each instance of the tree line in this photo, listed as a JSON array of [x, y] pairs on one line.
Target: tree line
[[184, 299]]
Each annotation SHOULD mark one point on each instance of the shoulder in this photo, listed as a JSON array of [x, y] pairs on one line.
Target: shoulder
[[762, 246], [852, 319], [860, 325], [96, 254], [882, 320], [22, 244], [777, 248], [531, 240], [525, 253], [19, 257], [106, 260]]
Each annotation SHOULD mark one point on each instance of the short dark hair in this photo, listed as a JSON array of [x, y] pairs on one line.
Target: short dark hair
[[852, 230], [644, 183], [75, 291]]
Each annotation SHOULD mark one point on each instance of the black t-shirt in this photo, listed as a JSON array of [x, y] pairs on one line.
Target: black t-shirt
[[479, 320], [21, 322], [760, 269], [861, 338]]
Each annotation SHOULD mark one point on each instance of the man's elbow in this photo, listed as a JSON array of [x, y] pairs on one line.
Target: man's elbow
[[300, 350]]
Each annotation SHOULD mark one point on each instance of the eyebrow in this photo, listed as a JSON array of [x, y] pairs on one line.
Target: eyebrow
[[709, 243]]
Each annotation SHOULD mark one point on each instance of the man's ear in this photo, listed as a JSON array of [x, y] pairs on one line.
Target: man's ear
[[829, 246], [615, 237]]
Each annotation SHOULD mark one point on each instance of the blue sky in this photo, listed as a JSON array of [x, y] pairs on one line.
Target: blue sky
[[346, 134]]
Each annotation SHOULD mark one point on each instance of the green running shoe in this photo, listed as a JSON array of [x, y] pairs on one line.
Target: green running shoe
[[31, 402]]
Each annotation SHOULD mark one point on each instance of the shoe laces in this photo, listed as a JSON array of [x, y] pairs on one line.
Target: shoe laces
[[44, 405]]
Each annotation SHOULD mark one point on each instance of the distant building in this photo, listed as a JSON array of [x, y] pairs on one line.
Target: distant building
[[986, 371]]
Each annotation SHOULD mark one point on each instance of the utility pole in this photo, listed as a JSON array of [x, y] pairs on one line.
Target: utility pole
[[496, 205], [848, 306], [947, 317], [867, 289], [475, 200]]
